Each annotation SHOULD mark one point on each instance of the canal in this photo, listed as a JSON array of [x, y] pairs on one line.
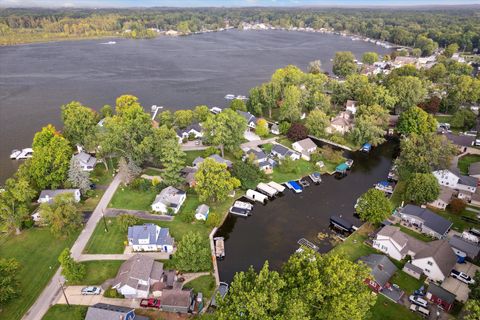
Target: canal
[[273, 230]]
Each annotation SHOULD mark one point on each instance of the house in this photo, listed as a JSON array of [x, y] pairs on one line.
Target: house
[[396, 244], [412, 270], [474, 170], [440, 296], [463, 142], [351, 106], [274, 129], [136, 275], [463, 247], [169, 198], [427, 221], [436, 260], [150, 237], [103, 311], [216, 157], [194, 130], [202, 212], [443, 199], [456, 181], [260, 158], [177, 300], [475, 200], [382, 269], [283, 152], [188, 173], [250, 118], [342, 123], [403, 61], [86, 161], [306, 147], [46, 196]]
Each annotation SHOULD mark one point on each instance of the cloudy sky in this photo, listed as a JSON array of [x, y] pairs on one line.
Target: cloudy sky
[[226, 3]]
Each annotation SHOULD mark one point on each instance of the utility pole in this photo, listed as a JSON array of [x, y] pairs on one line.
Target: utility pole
[[104, 221], [63, 291]]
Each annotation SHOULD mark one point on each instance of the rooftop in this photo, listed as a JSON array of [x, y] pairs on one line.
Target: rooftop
[[443, 294], [170, 196], [430, 219], [382, 268]]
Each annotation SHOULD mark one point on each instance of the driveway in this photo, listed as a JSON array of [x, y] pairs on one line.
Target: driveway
[[255, 143], [111, 212], [457, 287], [74, 296]]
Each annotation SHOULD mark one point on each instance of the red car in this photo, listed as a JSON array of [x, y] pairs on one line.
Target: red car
[[150, 303]]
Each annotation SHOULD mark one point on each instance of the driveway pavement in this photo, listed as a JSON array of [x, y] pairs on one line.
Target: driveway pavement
[[74, 296], [50, 294], [457, 287], [255, 143]]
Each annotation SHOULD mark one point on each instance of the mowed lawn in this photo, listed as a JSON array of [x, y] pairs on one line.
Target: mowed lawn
[[354, 247], [408, 283], [63, 312], [37, 251], [385, 309], [203, 284], [465, 162], [128, 198], [99, 271], [303, 168]]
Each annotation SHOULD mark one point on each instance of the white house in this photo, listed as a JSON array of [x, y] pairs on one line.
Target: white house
[[169, 198], [342, 123], [86, 161], [274, 129], [150, 237], [456, 181], [436, 260], [306, 147], [283, 152], [202, 212], [396, 244], [351, 106], [48, 195], [250, 118], [194, 130]]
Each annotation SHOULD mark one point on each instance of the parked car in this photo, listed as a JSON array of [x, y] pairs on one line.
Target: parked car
[[150, 303], [91, 290], [422, 310], [465, 278], [418, 301]]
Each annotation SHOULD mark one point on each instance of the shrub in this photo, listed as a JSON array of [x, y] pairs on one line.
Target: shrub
[[112, 293], [331, 155], [140, 184], [187, 217], [297, 132], [287, 165], [248, 174], [283, 127], [127, 220], [213, 219], [457, 205], [209, 151]]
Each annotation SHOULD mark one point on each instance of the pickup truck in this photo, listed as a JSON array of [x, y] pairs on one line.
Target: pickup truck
[[150, 303]]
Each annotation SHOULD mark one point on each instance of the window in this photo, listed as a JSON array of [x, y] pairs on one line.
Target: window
[[430, 263], [427, 271]]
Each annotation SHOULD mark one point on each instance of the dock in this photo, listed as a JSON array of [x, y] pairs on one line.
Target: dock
[[266, 189], [305, 243], [341, 224], [219, 247]]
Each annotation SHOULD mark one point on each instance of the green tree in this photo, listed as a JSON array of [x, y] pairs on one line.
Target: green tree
[[183, 118], [14, 203], [127, 220], [317, 121], [79, 122], [463, 119], [72, 271], [126, 102], [78, 177], [415, 120], [106, 111], [409, 91], [225, 129], [370, 125], [472, 308], [201, 113], [450, 50], [62, 215], [173, 160], [238, 104], [128, 170], [422, 188], [165, 118], [370, 57], [262, 127], [51, 158], [248, 174], [213, 181], [290, 108], [373, 206], [344, 64], [183, 27], [193, 253], [8, 276], [417, 52], [428, 46]]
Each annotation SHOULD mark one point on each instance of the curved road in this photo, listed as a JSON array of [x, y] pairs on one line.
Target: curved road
[[51, 292]]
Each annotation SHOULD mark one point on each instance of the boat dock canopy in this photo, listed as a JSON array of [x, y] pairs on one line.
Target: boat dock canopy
[[276, 186], [341, 223], [343, 167], [256, 196], [219, 247], [265, 188]]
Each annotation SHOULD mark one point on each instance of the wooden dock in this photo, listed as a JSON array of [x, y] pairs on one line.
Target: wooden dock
[[331, 143]]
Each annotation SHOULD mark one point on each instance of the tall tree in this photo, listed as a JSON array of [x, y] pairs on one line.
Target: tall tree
[[128, 170], [344, 64], [78, 122], [373, 206], [14, 203], [201, 113], [173, 160], [463, 119], [183, 118], [317, 121], [262, 127], [315, 67], [290, 108], [415, 120], [370, 125], [106, 111], [409, 91], [72, 271], [78, 177], [369, 57], [450, 50], [193, 253], [238, 104], [9, 287], [126, 102], [213, 181], [62, 215], [422, 188]]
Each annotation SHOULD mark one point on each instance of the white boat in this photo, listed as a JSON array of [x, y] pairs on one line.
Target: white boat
[[230, 96], [276, 186], [24, 154], [110, 42], [384, 186], [240, 97], [14, 154], [316, 177], [241, 208], [266, 189], [215, 110], [256, 196]]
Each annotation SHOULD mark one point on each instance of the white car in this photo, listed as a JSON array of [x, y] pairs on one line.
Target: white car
[[419, 309], [91, 290], [418, 301], [465, 278]]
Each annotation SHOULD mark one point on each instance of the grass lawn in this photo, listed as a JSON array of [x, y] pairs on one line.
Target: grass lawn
[[128, 198], [354, 247], [191, 155], [203, 284], [416, 235], [443, 118], [101, 176], [99, 271], [62, 312], [303, 168], [37, 252], [152, 172], [458, 223], [398, 193], [91, 203], [285, 141], [465, 161], [408, 283], [385, 309], [267, 147]]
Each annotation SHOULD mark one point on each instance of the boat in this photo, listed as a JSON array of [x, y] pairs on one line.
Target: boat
[[240, 97], [349, 163], [392, 175], [276, 186], [240, 208], [215, 110], [366, 147], [293, 185], [24, 154], [384, 186], [305, 243], [266, 189], [341, 224], [315, 177], [230, 96], [14, 154], [256, 196], [219, 247], [341, 168], [304, 183]]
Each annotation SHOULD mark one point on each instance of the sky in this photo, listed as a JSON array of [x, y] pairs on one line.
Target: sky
[[223, 3]]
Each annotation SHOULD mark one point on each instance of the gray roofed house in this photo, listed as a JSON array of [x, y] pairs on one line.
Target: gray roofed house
[[215, 157], [150, 237], [436, 260], [429, 222], [195, 129], [86, 161], [176, 300], [474, 170], [460, 245], [413, 270], [440, 296], [136, 275], [169, 198], [48, 195], [382, 268], [468, 181], [258, 155], [188, 173], [305, 147], [283, 152], [103, 311], [463, 141], [250, 118], [444, 198]]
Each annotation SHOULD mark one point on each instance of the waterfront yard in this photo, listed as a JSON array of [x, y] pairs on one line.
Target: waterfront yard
[[192, 155], [416, 235], [63, 311], [459, 224], [37, 252], [302, 168], [203, 284], [465, 162], [354, 247], [399, 193]]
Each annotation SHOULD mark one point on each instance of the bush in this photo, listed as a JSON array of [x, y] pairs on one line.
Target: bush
[[140, 184], [457, 205], [283, 127], [331, 155], [209, 151], [238, 153], [127, 220], [338, 139], [287, 165], [187, 217], [297, 132], [213, 219], [248, 174], [112, 293], [27, 223], [191, 136]]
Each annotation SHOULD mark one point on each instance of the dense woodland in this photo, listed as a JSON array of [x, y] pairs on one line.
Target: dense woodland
[[397, 26]]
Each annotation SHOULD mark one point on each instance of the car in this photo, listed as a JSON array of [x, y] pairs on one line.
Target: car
[[461, 276], [418, 301], [91, 291], [150, 303], [423, 311]]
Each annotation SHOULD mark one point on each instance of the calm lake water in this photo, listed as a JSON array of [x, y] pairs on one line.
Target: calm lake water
[[272, 232], [36, 79]]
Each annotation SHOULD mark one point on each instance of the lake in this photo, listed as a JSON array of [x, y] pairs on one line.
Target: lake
[[36, 79], [272, 232]]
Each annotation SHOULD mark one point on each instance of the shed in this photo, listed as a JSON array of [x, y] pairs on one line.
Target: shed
[[202, 212], [176, 300], [440, 296], [412, 270]]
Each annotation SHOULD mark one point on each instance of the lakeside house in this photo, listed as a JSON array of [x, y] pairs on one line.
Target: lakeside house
[[188, 173], [351, 106], [444, 198], [403, 61], [46, 196], [216, 157], [456, 181], [342, 123], [465, 248], [425, 221], [150, 237], [282, 152], [463, 142], [261, 159], [306, 147], [169, 198], [250, 118], [202, 211], [86, 161], [194, 130], [103, 311], [274, 129]]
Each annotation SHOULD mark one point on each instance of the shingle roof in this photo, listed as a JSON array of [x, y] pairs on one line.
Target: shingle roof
[[446, 194], [351, 103], [460, 140], [382, 268], [202, 209], [306, 144], [215, 157], [52, 193], [85, 159], [414, 268], [193, 126], [137, 267], [170, 196], [394, 233], [431, 220], [474, 168], [176, 298], [280, 149], [443, 294], [441, 252], [248, 116], [468, 181], [103, 311], [259, 154], [470, 248]]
